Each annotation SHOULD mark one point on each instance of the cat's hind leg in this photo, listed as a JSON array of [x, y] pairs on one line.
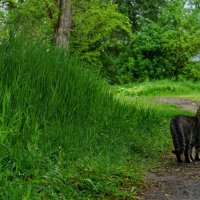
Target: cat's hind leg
[[187, 154], [197, 156], [193, 153]]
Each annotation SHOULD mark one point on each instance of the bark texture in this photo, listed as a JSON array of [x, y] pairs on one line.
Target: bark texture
[[63, 26]]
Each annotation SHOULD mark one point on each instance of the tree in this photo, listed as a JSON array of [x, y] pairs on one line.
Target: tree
[[181, 36], [99, 32], [3, 32], [195, 3], [164, 48], [137, 11], [29, 18], [63, 25]]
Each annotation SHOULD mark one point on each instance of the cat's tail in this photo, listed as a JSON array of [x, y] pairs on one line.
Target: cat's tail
[[178, 136]]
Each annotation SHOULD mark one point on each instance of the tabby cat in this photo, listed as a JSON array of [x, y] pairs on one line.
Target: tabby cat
[[185, 133]]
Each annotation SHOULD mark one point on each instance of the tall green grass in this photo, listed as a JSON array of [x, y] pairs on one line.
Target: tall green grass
[[62, 133], [166, 87]]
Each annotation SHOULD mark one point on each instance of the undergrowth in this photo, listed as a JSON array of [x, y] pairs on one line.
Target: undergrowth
[[166, 87], [64, 135]]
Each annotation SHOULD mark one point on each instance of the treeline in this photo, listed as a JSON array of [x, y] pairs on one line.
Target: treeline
[[124, 40]]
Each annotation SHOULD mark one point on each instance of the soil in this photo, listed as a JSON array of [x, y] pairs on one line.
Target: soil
[[173, 181], [182, 103]]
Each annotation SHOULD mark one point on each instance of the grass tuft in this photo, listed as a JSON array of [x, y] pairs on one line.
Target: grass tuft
[[64, 135]]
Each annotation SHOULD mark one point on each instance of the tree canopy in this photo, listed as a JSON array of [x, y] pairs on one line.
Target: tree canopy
[[125, 40]]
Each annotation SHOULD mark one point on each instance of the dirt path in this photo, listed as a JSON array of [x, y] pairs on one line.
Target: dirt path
[[182, 103], [174, 181]]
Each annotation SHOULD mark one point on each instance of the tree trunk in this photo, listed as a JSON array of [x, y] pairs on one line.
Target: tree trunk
[[63, 26]]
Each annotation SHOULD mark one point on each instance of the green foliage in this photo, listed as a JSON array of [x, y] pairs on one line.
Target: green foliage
[[180, 39], [192, 71], [164, 48], [30, 19], [99, 32], [64, 135], [148, 53], [137, 11], [3, 30], [160, 88], [125, 41]]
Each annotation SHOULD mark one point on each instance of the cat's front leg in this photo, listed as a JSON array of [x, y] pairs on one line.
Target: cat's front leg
[[178, 154]]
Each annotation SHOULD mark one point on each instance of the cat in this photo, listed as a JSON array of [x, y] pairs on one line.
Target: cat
[[185, 133]]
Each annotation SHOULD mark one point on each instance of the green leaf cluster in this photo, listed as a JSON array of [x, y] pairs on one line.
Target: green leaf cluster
[[29, 19], [97, 28], [163, 49], [124, 40]]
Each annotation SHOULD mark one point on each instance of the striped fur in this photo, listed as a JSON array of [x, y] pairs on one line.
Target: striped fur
[[185, 133]]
